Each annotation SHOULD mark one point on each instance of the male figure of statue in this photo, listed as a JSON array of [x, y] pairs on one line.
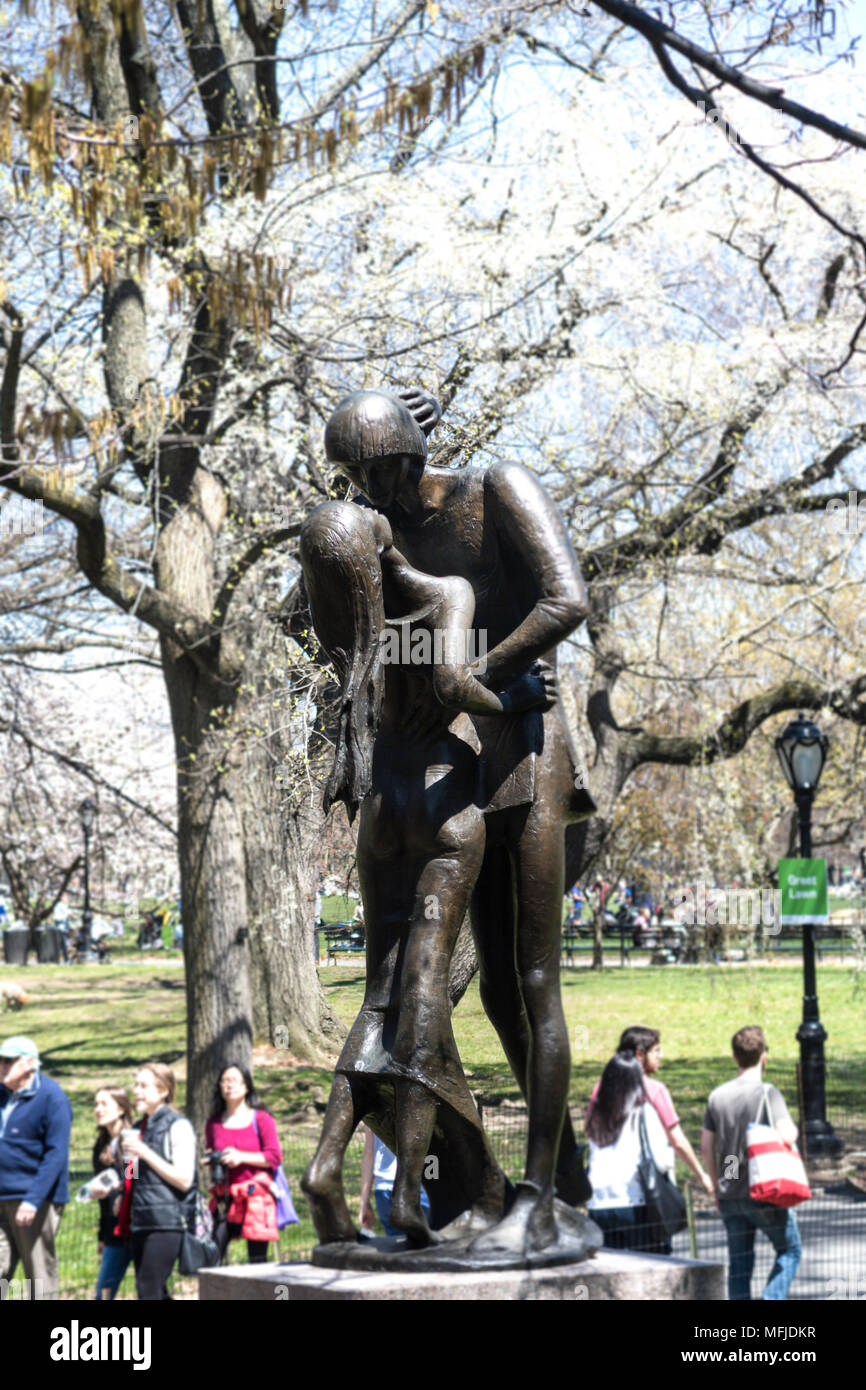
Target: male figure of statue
[[498, 529]]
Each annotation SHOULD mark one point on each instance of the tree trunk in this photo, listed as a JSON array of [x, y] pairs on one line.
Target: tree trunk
[[598, 936], [289, 1007], [213, 885], [283, 822], [579, 846], [209, 777]]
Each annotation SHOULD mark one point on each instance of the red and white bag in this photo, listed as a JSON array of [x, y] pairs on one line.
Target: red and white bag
[[776, 1172]]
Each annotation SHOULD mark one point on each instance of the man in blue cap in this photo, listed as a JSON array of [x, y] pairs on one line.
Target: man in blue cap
[[35, 1122]]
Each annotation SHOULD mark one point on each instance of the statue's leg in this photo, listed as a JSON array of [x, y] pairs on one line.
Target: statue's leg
[[424, 1049], [493, 917], [494, 912], [323, 1180], [539, 874], [540, 885], [416, 1115]]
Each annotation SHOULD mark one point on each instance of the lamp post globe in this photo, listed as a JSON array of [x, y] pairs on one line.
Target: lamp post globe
[[802, 751]]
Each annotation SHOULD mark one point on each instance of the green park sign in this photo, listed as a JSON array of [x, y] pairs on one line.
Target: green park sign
[[803, 885]]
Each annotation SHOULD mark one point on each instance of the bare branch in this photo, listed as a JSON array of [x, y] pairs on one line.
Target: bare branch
[[733, 732], [661, 36], [201, 640], [12, 727]]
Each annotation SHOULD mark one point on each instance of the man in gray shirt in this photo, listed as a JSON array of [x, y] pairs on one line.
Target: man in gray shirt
[[730, 1109]]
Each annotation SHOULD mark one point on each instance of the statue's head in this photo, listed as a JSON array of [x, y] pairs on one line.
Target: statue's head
[[374, 439]]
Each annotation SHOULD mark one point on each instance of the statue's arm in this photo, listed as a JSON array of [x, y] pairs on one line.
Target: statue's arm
[[450, 606], [457, 688], [530, 526]]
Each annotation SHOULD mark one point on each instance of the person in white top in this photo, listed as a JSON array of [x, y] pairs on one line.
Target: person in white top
[[613, 1129], [61, 920], [152, 1210], [378, 1171]]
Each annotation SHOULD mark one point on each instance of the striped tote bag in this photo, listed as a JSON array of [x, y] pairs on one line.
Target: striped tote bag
[[776, 1171]]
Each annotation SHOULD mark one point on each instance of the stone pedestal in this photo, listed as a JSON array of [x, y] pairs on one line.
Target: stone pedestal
[[610, 1275]]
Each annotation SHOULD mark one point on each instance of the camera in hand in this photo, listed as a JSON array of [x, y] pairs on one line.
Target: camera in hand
[[217, 1164]]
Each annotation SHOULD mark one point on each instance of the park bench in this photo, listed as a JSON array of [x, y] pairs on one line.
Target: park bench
[[344, 938], [828, 936], [575, 941], [571, 942]]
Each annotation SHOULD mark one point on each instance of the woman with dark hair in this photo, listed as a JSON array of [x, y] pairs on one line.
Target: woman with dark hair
[[153, 1212], [617, 1204], [645, 1044], [246, 1139], [112, 1109]]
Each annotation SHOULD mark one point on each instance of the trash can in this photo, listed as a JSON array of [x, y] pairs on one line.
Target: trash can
[[16, 941], [48, 945]]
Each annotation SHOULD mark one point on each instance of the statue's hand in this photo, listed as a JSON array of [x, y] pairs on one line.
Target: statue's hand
[[534, 689], [381, 528], [425, 408], [453, 686]]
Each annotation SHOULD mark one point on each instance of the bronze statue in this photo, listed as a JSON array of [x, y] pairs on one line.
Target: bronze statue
[[466, 779]]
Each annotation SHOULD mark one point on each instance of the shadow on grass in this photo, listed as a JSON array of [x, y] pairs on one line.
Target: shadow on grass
[[84, 1062]]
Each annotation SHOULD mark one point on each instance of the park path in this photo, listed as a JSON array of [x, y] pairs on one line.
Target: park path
[[833, 1233]]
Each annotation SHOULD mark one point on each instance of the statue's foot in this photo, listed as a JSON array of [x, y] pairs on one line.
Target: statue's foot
[[408, 1216], [528, 1228], [323, 1188], [483, 1216]]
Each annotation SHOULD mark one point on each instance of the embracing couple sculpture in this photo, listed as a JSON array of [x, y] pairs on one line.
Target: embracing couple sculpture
[[466, 779]]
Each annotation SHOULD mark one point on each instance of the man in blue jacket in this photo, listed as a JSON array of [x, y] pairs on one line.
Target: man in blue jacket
[[35, 1121]]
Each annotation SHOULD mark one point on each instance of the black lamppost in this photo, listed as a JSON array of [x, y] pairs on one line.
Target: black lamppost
[[87, 815], [802, 750]]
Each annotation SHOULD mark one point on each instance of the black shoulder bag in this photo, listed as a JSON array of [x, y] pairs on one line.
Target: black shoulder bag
[[666, 1205], [198, 1249]]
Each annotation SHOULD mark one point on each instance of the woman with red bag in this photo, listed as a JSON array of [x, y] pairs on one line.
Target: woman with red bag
[[245, 1140]]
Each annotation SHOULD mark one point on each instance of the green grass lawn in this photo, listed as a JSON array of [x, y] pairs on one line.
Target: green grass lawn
[[338, 908], [96, 1025], [697, 1009]]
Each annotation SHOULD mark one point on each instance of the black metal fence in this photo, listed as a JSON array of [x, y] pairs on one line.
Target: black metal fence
[[79, 1258], [832, 1225], [702, 945]]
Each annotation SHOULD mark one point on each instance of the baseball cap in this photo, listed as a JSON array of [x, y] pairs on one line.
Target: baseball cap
[[18, 1047]]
